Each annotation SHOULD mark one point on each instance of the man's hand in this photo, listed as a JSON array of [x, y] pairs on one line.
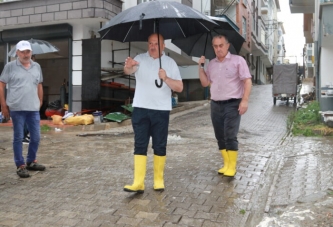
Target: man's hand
[[129, 67], [162, 75], [243, 105], [5, 112], [130, 62], [202, 61]]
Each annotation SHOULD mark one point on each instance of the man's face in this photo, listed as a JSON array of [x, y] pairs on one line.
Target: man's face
[[221, 46], [153, 46], [24, 56]]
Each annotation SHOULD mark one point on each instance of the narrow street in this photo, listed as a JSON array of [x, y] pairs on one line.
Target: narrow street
[[86, 172]]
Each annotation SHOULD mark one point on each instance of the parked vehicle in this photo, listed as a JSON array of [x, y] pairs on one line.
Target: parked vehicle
[[285, 81]]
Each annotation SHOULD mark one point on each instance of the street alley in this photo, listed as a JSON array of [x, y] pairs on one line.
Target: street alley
[[87, 170]]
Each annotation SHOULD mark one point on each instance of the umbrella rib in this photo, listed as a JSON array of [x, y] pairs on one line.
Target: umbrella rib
[[180, 27], [105, 33], [176, 19], [204, 26], [128, 32]]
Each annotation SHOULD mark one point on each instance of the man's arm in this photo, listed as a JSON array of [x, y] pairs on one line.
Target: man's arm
[[40, 94], [203, 77], [202, 74], [243, 106], [175, 85], [4, 107]]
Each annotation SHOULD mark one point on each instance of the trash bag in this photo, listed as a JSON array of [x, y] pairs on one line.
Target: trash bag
[[55, 105]]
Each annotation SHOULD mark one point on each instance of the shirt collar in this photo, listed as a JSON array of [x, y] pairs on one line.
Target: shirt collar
[[227, 56], [147, 53]]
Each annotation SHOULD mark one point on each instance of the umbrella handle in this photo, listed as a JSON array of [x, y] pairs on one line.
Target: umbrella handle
[[159, 53], [203, 64], [158, 85]]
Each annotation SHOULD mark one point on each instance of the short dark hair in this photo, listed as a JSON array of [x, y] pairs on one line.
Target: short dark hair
[[221, 36]]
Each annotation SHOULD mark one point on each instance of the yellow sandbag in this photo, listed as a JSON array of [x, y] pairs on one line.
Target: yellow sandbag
[[57, 120], [85, 119]]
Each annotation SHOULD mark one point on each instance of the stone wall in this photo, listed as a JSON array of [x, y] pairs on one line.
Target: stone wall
[[34, 11]]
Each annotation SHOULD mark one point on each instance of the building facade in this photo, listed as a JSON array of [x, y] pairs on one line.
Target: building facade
[[318, 33], [71, 26]]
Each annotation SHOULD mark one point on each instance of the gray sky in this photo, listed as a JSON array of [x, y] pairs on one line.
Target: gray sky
[[294, 37]]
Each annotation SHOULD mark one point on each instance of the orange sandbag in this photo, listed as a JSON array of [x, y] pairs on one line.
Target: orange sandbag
[[85, 119], [57, 120]]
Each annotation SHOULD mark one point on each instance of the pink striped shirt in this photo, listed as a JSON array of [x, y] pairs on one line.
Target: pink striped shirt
[[226, 77]]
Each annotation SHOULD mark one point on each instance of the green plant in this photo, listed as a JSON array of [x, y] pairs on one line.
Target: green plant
[[45, 128], [303, 121], [242, 211]]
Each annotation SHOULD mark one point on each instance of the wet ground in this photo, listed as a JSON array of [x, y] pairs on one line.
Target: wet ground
[[86, 172]]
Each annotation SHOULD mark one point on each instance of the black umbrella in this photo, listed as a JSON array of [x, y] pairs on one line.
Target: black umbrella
[[201, 44], [38, 47], [168, 18]]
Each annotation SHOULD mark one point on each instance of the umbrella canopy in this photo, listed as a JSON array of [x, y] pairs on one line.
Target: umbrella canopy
[[201, 44], [168, 18], [38, 47], [175, 20]]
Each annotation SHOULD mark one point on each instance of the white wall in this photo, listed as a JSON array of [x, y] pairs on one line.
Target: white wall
[[326, 59], [189, 72]]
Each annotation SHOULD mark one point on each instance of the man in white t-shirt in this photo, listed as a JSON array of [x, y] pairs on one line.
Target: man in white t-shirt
[[152, 105]]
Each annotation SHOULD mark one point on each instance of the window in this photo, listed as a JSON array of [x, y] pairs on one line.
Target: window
[[1, 1], [140, 1], [245, 2], [244, 27]]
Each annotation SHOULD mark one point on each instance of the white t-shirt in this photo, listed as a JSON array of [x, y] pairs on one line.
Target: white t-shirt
[[147, 95]]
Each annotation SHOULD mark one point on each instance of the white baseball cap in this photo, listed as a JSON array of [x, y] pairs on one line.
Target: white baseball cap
[[23, 45]]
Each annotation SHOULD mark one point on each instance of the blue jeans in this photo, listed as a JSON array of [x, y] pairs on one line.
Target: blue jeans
[[32, 121], [148, 123], [226, 120]]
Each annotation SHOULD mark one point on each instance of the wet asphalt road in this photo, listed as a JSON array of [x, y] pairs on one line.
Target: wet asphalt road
[[86, 172]]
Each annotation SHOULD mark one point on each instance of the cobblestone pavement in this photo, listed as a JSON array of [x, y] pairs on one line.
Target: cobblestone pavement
[[86, 172], [302, 191]]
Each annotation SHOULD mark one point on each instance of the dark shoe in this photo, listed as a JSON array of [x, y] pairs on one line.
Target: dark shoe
[[26, 141], [22, 171], [35, 166]]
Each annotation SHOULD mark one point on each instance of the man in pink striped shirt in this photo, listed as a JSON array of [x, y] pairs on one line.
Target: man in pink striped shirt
[[230, 85]]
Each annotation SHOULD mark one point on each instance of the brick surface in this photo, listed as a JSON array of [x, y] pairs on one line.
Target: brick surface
[[85, 175]]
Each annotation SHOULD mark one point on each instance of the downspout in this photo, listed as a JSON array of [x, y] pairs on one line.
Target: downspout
[[70, 74], [257, 69]]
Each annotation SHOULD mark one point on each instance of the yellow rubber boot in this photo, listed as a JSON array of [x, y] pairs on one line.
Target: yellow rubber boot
[[159, 163], [231, 171], [225, 160], [140, 163]]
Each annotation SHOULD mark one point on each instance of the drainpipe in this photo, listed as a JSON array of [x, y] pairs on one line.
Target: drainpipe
[[70, 74], [257, 70]]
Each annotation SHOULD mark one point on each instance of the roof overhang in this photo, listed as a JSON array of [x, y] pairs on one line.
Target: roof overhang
[[302, 6]]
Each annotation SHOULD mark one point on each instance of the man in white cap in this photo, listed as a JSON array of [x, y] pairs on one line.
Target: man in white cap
[[23, 78]]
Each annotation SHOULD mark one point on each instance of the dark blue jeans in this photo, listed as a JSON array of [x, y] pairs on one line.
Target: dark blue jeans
[[32, 120], [150, 123], [226, 120]]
